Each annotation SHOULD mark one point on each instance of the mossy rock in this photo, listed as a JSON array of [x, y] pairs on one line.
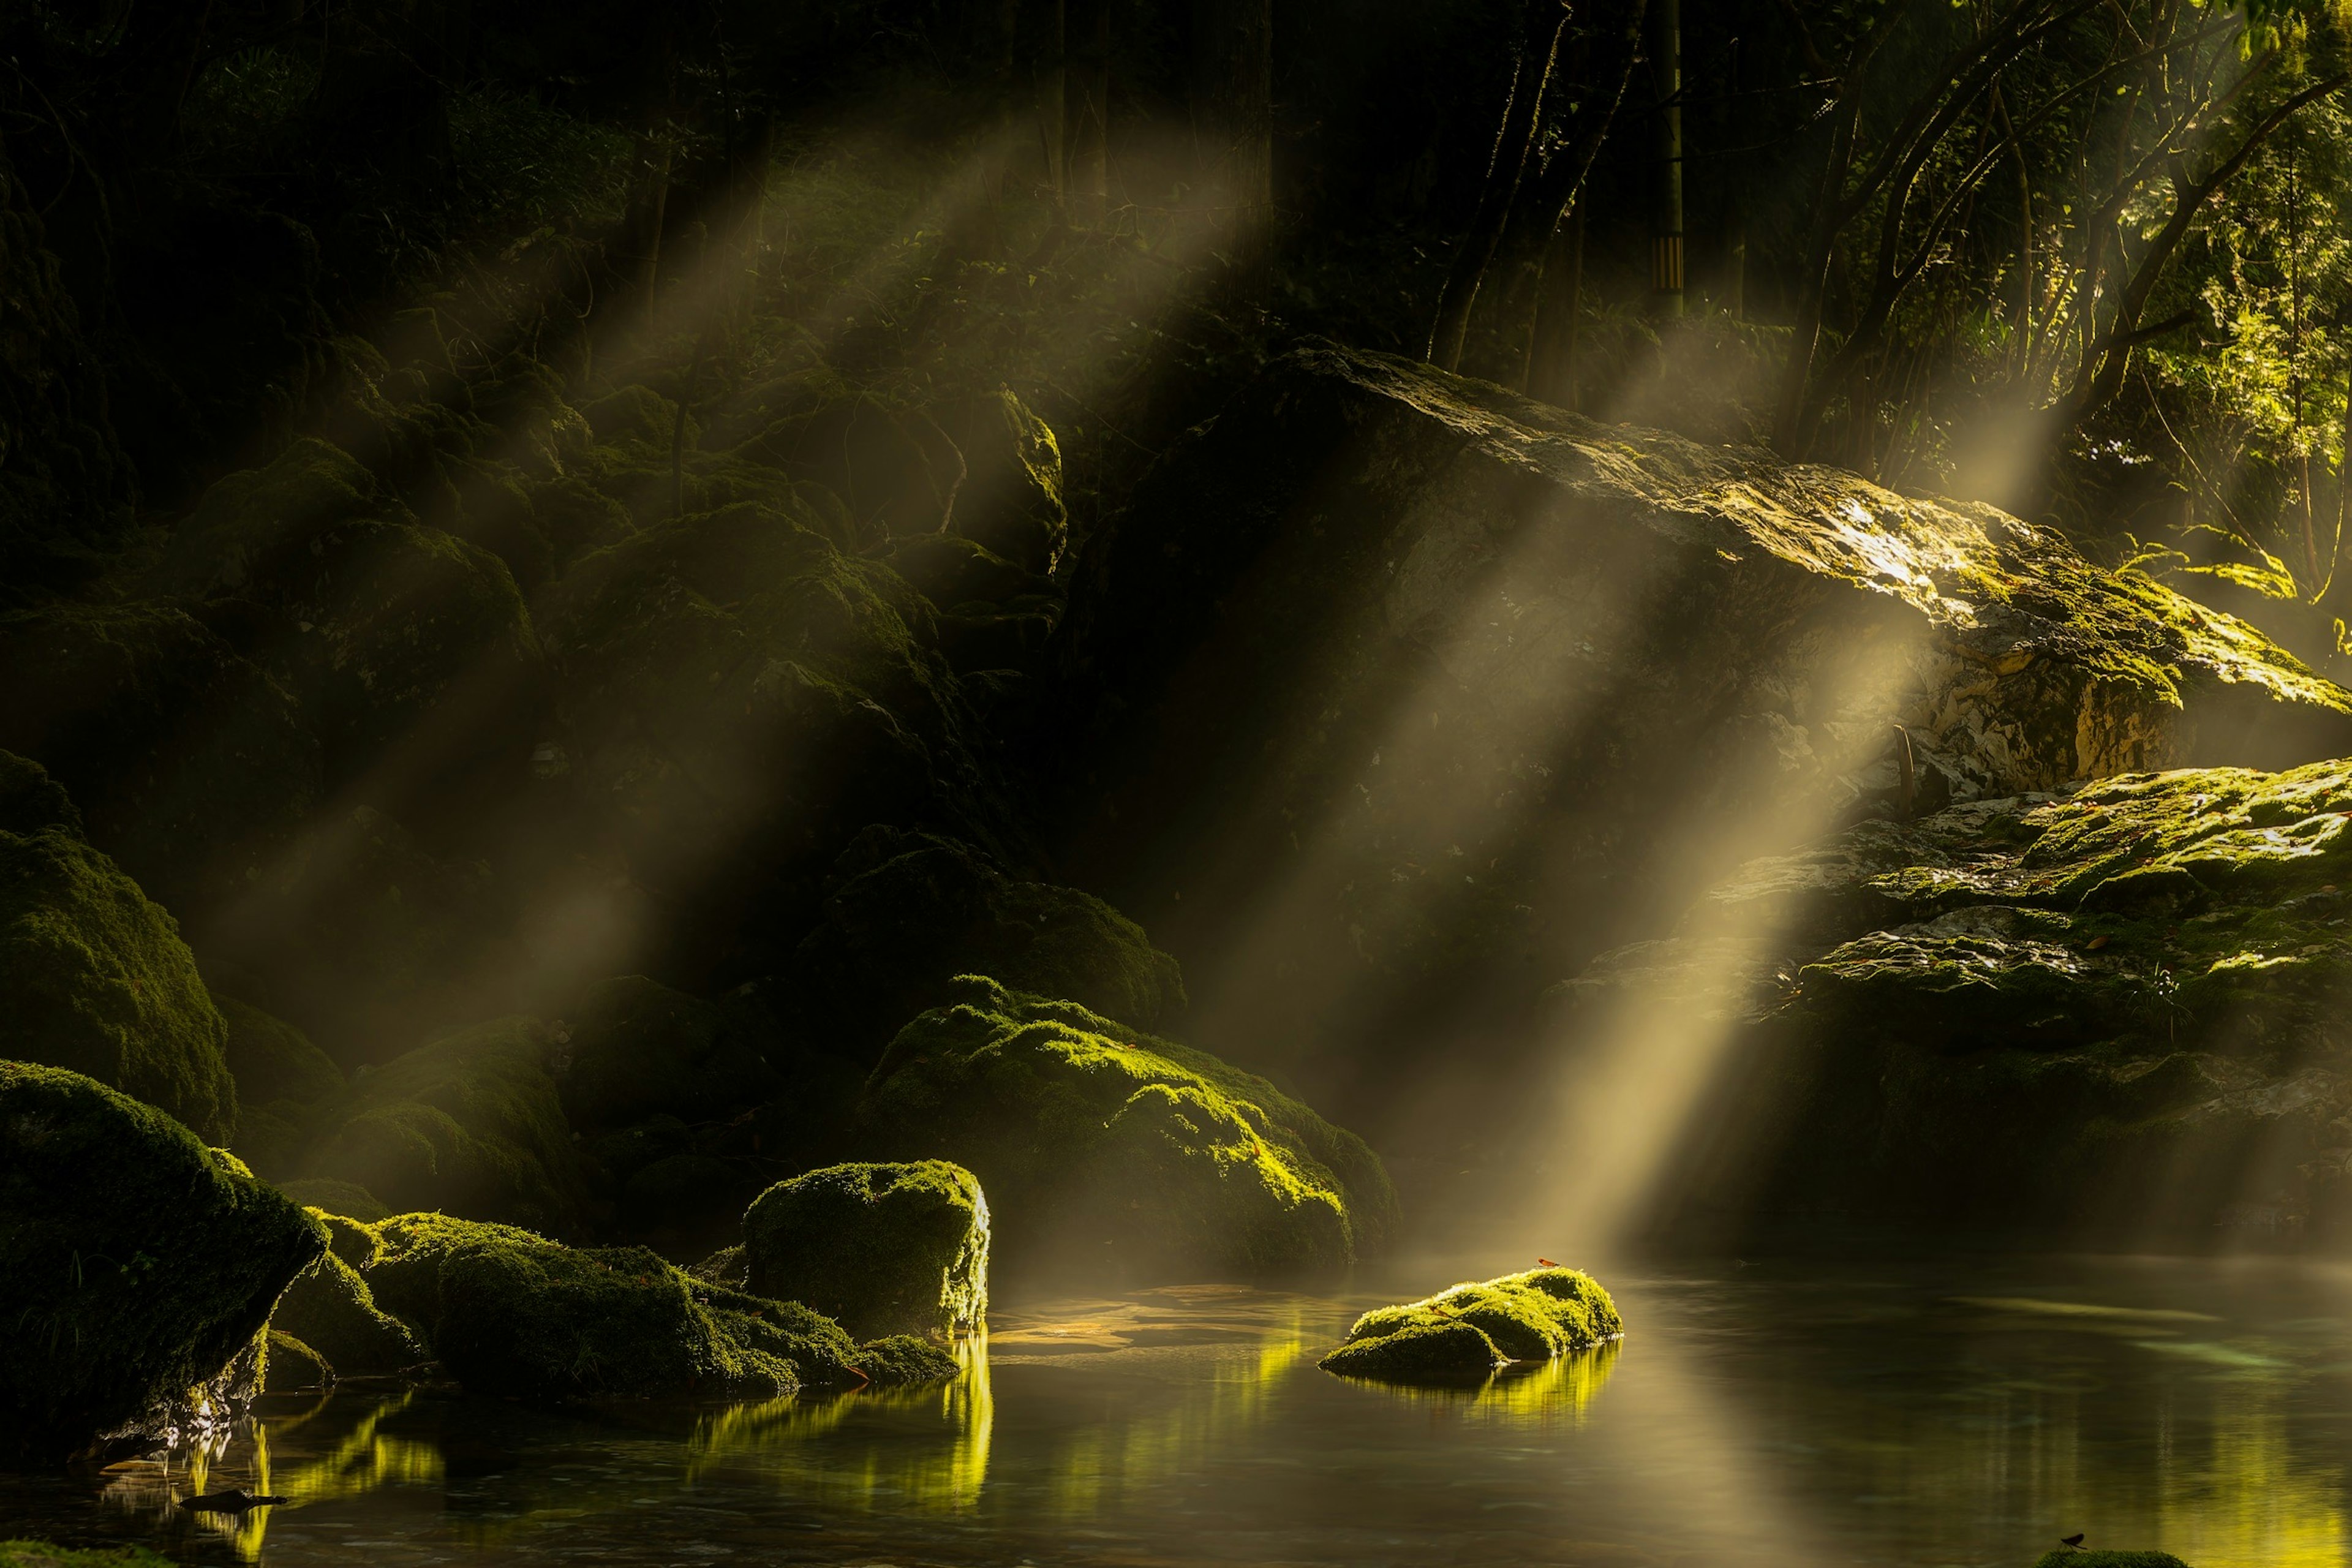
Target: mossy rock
[[94, 977], [1533, 1316], [31, 800], [880, 1249], [508, 1312], [633, 413], [293, 1367], [1011, 497], [903, 1361], [912, 910], [136, 1263], [190, 765], [1421, 1353], [471, 1123], [639, 1049], [281, 1081], [330, 1309], [2110, 1560], [1111, 1146], [42, 1554]]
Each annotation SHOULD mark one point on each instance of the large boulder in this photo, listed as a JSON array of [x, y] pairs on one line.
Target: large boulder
[[2107, 1013], [135, 1264], [1102, 1144], [880, 1249], [471, 1123], [95, 978], [508, 1312], [910, 911], [331, 1311], [1393, 686]]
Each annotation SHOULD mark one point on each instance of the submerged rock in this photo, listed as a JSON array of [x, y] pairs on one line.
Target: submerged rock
[[881, 1249], [1106, 1144], [506, 1312], [1468, 1331], [2110, 1013], [95, 978], [1395, 685], [135, 1266], [471, 1123]]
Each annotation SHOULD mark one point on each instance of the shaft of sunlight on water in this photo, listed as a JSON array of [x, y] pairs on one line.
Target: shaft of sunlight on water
[[1947, 1412]]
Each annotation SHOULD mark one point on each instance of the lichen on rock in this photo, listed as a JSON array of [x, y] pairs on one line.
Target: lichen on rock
[[135, 1264], [1097, 1141], [880, 1249]]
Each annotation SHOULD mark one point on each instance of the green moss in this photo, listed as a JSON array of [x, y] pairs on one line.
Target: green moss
[[912, 910], [41, 1554], [292, 1366], [471, 1123], [31, 800], [330, 1309], [134, 1263], [95, 978], [1440, 1351], [1118, 1146], [881, 1249], [639, 1049], [902, 1361], [1533, 1316], [2110, 1560], [508, 1312]]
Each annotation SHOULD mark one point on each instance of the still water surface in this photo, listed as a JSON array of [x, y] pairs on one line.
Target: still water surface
[[1953, 1412]]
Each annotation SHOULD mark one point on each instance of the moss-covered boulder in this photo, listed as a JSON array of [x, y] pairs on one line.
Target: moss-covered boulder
[[331, 1309], [94, 977], [2109, 1012], [904, 1361], [471, 1123], [189, 761], [1533, 1316], [136, 1263], [333, 1198], [2084, 1559], [880, 1249], [1390, 687], [1098, 1143], [508, 1312], [293, 1367], [42, 1554], [910, 911], [31, 800]]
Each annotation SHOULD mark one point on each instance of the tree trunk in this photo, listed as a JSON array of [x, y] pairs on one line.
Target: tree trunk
[[1551, 345], [1087, 110], [649, 190], [1514, 141], [1666, 83], [1052, 72], [1233, 116]]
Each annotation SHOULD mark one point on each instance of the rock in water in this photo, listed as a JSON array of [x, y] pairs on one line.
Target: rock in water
[[95, 978], [136, 1263], [2079, 1559], [1407, 685], [881, 1249], [332, 1312], [2111, 1015], [1100, 1143], [508, 1312], [1466, 1332]]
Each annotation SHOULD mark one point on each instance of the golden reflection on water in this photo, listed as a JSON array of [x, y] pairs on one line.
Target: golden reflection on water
[[855, 1450], [1536, 1397]]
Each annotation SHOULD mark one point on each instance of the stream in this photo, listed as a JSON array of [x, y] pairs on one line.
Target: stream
[[1963, 1411]]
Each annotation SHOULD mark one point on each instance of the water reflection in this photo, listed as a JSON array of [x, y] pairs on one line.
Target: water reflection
[[922, 1448], [1888, 1418]]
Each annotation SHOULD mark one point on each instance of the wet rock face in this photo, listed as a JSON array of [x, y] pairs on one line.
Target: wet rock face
[[1474, 685], [1108, 1147], [2114, 1011], [881, 1249], [135, 1264]]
